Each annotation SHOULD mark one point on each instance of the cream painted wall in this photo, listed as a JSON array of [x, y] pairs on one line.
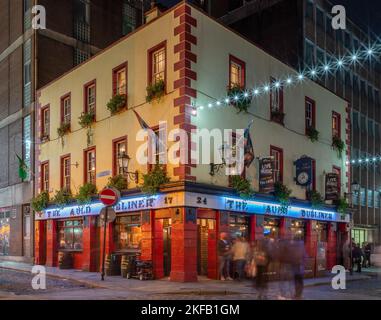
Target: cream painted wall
[[133, 50], [215, 44]]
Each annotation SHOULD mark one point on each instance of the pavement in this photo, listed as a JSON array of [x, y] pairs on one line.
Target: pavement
[[89, 286]]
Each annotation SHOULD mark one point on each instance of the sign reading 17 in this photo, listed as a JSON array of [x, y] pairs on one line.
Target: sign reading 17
[[168, 200]]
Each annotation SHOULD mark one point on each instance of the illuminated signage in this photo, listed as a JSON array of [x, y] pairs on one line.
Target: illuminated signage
[[195, 200]]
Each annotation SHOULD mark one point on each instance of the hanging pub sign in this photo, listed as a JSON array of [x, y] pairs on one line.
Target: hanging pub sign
[[266, 175], [331, 186], [303, 171]]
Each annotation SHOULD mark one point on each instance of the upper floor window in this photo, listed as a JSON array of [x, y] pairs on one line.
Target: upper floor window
[[90, 97], [90, 166], [120, 80], [120, 156], [310, 121], [157, 148], [65, 173], [276, 96], [236, 72], [157, 61], [277, 154], [45, 176], [45, 122], [336, 124], [66, 109]]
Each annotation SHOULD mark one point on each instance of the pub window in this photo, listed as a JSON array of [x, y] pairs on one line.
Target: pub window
[[157, 67], [128, 232], [45, 121], [90, 98], [120, 80], [45, 177], [157, 149], [120, 153], [336, 125], [90, 166], [322, 231], [310, 120], [66, 109], [271, 227], [297, 229], [65, 173], [239, 226], [70, 234], [277, 155], [236, 72]]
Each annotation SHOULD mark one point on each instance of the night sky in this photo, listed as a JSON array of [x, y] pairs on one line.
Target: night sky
[[363, 12]]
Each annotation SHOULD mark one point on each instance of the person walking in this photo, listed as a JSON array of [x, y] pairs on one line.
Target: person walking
[[224, 256], [357, 256], [260, 256], [240, 254], [367, 253]]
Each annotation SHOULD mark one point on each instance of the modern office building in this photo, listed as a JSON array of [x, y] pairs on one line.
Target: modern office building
[[75, 30]]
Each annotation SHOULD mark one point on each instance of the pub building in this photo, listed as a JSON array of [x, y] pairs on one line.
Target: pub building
[[194, 57], [178, 231]]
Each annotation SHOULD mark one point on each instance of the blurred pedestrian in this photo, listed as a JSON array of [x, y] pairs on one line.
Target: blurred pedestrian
[[240, 255], [347, 255], [297, 266], [224, 256], [260, 255], [367, 253], [357, 256]]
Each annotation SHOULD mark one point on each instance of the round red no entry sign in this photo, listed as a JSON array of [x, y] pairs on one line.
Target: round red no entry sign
[[109, 196]]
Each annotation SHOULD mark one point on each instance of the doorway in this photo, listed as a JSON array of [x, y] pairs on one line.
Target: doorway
[[167, 246], [206, 245]]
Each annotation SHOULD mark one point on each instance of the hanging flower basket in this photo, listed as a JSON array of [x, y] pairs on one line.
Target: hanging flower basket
[[117, 103], [316, 199], [118, 182], [40, 202], [63, 130], [282, 193], [237, 98], [338, 145], [313, 134], [85, 193], [155, 90], [63, 197], [242, 187], [153, 180]]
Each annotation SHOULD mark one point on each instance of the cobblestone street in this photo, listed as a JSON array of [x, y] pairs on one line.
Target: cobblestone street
[[87, 286]]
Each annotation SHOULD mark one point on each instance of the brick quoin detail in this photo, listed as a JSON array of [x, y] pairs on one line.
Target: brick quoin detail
[[183, 84]]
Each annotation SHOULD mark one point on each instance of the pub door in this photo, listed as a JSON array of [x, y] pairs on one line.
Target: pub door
[[206, 247], [167, 246]]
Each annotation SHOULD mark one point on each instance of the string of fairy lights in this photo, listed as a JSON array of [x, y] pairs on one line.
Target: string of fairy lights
[[372, 52]]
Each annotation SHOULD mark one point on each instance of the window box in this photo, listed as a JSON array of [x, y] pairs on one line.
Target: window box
[[117, 103], [277, 116], [312, 134], [238, 99], [155, 90]]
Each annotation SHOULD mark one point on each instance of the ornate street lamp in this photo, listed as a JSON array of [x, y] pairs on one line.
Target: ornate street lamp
[[215, 168], [123, 162]]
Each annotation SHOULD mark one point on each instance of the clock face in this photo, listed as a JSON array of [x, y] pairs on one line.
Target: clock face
[[303, 178]]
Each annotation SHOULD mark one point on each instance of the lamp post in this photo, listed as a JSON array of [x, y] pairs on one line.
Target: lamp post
[[123, 162]]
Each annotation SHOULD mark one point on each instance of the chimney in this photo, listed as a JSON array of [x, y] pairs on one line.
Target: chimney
[[153, 13]]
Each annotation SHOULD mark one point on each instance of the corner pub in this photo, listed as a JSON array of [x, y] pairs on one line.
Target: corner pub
[[178, 231]]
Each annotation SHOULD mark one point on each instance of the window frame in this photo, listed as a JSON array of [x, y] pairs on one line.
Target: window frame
[[242, 76], [115, 142], [115, 73], [150, 166], [281, 163], [61, 224], [63, 177], [63, 116], [313, 114], [86, 96], [280, 93], [45, 126], [45, 173], [336, 118], [86, 165], [150, 54]]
